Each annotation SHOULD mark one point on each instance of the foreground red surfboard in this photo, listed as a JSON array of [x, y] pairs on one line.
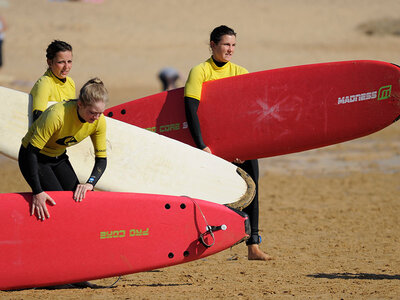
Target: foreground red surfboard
[[278, 111], [108, 234]]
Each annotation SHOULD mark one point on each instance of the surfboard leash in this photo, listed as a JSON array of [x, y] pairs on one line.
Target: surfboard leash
[[113, 284], [209, 229]]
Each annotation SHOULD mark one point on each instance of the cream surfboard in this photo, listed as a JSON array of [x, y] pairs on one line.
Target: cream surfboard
[[138, 160]]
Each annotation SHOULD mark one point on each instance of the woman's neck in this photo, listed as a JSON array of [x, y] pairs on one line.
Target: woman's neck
[[79, 116], [218, 63], [61, 79]]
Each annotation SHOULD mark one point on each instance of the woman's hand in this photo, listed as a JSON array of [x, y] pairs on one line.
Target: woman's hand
[[81, 190], [39, 205], [207, 150], [238, 161]]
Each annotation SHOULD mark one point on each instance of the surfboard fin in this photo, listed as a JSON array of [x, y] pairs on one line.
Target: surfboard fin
[[247, 197]]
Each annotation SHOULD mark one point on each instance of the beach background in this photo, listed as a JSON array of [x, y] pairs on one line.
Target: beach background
[[330, 217]]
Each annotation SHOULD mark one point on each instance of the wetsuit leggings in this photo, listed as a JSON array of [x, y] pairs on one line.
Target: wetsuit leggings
[[55, 174], [251, 168]]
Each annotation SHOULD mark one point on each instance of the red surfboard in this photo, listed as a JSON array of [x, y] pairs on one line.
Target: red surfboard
[[278, 111], [108, 234]]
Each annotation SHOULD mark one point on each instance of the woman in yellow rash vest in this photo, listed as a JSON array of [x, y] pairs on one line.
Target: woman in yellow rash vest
[[42, 158], [222, 44], [55, 84]]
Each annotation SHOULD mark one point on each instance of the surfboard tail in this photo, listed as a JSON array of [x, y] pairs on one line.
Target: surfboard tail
[[248, 196], [247, 225]]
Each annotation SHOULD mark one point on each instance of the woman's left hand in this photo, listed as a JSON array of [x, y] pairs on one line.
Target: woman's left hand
[[238, 161], [81, 190]]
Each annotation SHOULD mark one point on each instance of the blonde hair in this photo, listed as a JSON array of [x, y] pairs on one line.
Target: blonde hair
[[92, 92]]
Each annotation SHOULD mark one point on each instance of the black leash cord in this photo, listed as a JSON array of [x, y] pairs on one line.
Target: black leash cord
[[209, 229]]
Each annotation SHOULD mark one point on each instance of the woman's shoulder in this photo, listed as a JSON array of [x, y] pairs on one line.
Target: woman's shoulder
[[102, 120], [54, 113], [239, 69], [63, 107], [203, 65], [100, 125], [200, 70], [70, 81], [44, 83], [49, 79], [44, 79]]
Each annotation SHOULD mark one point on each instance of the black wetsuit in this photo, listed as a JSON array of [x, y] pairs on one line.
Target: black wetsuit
[[45, 173]]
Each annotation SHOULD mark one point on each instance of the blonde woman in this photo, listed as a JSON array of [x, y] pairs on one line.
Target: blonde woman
[[43, 158]]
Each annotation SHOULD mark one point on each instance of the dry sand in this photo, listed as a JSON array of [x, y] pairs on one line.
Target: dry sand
[[330, 216]]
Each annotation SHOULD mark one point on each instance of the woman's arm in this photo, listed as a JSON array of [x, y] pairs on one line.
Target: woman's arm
[[33, 168], [98, 170], [39, 197], [100, 145], [191, 107], [40, 96]]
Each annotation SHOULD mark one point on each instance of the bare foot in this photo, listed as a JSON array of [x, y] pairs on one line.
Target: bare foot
[[255, 253]]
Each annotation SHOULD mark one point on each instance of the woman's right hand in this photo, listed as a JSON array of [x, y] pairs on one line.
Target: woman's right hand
[[207, 150], [39, 205]]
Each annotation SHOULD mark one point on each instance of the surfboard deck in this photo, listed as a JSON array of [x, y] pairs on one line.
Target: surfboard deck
[[108, 234], [138, 160], [278, 111]]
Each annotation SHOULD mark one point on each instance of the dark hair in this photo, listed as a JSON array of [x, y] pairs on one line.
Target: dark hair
[[55, 47], [218, 32], [92, 92]]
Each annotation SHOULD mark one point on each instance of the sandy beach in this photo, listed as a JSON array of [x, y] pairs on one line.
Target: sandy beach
[[330, 217]]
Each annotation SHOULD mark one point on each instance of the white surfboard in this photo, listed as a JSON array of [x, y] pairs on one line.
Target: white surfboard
[[137, 160]]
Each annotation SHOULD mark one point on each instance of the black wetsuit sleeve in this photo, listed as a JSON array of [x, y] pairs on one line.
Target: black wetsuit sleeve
[[98, 170], [36, 114], [33, 169], [191, 107]]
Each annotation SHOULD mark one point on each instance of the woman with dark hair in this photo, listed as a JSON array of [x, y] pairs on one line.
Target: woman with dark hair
[[55, 84], [219, 65], [43, 160]]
